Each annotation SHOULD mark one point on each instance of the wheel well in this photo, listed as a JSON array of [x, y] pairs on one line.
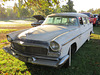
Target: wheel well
[[90, 32], [73, 47]]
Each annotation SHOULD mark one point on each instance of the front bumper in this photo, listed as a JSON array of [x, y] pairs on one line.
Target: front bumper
[[46, 61]]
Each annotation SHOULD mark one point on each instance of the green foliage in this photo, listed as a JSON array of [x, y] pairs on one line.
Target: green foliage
[[96, 11], [90, 10], [27, 8], [4, 41], [6, 30], [2, 12], [43, 7], [20, 10], [70, 5], [82, 11], [66, 8]]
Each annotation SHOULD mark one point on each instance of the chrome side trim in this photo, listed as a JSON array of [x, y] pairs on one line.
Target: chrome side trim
[[71, 40], [75, 37]]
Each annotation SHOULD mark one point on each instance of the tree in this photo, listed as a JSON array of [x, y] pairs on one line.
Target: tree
[[43, 7], [82, 11], [2, 12], [20, 10], [97, 11], [10, 13], [91, 10], [58, 10], [68, 7], [39, 6]]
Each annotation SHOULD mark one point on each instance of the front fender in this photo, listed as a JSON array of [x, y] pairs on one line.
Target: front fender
[[14, 35], [67, 37]]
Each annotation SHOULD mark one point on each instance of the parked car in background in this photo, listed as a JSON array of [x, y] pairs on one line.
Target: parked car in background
[[40, 20], [52, 43], [92, 19], [95, 15]]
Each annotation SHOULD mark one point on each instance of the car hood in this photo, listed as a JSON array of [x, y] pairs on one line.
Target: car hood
[[44, 32], [39, 17]]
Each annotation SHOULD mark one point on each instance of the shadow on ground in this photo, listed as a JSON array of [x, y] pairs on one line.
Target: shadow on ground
[[85, 62], [43, 70]]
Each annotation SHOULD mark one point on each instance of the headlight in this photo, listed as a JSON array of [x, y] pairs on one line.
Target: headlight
[[54, 46], [9, 38]]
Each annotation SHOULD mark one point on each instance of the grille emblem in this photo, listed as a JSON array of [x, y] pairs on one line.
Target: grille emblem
[[21, 42]]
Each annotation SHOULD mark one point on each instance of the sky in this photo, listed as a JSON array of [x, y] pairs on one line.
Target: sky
[[78, 4], [8, 3], [86, 4]]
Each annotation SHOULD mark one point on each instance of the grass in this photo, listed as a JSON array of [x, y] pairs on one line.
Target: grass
[[7, 30], [14, 25], [85, 62]]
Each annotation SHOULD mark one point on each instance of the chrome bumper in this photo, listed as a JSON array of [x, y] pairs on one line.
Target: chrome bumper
[[47, 61]]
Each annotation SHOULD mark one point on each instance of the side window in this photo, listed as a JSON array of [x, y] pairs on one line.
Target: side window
[[91, 15], [84, 20], [57, 20], [80, 20], [88, 20], [49, 20], [64, 20]]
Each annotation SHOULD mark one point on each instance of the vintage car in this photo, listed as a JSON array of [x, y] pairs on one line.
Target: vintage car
[[53, 42], [40, 19]]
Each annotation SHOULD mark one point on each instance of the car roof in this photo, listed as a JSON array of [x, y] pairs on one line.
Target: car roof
[[69, 14]]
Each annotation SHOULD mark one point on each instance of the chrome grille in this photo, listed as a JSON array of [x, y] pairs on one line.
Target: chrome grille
[[30, 50], [35, 42]]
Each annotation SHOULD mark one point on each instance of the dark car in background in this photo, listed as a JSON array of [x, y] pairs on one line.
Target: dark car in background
[[95, 15], [40, 20], [97, 21], [92, 19]]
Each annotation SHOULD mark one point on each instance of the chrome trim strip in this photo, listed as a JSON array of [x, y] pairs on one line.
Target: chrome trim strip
[[71, 40]]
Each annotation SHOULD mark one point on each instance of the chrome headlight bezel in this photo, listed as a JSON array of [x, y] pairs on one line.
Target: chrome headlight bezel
[[9, 38], [54, 46]]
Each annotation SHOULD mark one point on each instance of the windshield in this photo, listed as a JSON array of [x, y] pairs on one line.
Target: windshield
[[59, 20]]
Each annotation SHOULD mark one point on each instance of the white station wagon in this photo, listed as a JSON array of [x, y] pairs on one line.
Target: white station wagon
[[52, 43]]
